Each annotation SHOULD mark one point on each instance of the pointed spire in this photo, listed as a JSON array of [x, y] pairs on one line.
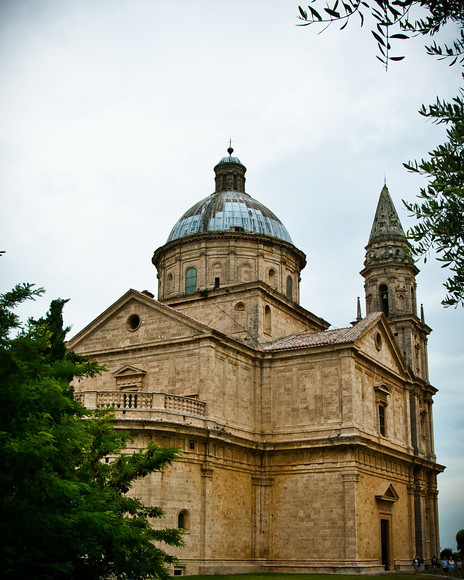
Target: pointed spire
[[358, 313], [387, 225], [358, 310], [387, 241]]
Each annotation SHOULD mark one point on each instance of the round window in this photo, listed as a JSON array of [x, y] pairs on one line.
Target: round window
[[133, 322], [378, 341]]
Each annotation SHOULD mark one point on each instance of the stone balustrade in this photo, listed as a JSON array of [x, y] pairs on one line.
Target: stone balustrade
[[141, 401]]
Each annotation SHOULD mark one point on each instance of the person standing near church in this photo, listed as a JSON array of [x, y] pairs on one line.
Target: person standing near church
[[434, 564], [451, 566], [416, 564], [459, 567], [444, 565]]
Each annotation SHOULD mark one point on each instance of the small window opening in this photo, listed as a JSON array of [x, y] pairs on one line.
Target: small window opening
[[382, 424], [182, 520], [192, 444], [267, 319], [234, 181], [289, 288], [216, 283], [178, 572], [383, 290]]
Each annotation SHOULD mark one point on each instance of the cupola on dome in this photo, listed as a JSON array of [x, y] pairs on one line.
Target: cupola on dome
[[229, 207]]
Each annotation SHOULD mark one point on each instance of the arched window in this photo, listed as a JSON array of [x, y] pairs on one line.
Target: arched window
[[289, 288], [170, 282], [382, 394], [383, 295], [239, 317], [267, 319], [413, 301], [183, 520], [245, 272], [272, 278], [190, 281]]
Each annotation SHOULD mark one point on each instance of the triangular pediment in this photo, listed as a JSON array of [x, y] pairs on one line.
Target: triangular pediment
[[378, 343], [135, 320], [128, 370], [387, 493]]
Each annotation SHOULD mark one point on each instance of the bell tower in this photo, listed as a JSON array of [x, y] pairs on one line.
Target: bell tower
[[390, 284], [390, 287]]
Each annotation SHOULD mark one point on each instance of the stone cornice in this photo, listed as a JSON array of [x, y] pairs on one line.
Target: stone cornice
[[229, 235]]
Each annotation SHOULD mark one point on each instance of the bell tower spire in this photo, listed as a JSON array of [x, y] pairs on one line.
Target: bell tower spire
[[390, 284]]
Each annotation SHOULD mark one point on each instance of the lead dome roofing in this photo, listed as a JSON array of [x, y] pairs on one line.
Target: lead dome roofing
[[229, 209]]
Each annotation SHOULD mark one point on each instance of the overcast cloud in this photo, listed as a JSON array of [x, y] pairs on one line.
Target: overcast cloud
[[114, 113]]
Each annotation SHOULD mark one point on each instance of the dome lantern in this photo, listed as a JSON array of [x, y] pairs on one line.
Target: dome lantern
[[230, 174], [229, 207]]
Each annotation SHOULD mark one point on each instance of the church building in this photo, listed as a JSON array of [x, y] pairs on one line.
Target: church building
[[304, 448]]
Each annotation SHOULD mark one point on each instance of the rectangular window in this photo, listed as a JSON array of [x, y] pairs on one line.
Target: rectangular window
[[382, 427]]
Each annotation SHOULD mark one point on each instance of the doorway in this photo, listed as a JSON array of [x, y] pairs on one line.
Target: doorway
[[385, 543]]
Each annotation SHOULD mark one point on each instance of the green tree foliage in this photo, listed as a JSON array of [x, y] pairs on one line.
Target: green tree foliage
[[446, 553], [394, 21], [460, 542], [440, 209], [65, 511]]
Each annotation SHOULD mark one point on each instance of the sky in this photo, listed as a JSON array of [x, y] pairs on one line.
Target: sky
[[114, 113]]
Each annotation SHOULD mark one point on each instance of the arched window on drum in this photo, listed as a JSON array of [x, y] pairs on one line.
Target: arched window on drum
[[190, 281], [289, 288]]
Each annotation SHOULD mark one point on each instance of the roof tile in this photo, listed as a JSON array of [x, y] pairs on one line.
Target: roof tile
[[327, 337]]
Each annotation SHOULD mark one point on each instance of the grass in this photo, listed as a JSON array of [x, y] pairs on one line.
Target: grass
[[271, 576]]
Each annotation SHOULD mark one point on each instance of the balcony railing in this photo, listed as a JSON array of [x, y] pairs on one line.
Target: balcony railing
[[141, 401]]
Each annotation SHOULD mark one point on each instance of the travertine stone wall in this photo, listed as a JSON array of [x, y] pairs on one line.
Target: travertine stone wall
[[240, 312], [287, 469], [233, 257]]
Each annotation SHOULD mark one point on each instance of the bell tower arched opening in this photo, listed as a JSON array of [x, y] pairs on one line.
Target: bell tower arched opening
[[383, 299]]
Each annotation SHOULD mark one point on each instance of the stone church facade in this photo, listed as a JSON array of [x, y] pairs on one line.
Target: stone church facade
[[304, 448]]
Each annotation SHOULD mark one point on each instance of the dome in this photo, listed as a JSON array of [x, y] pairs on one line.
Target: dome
[[229, 207]]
